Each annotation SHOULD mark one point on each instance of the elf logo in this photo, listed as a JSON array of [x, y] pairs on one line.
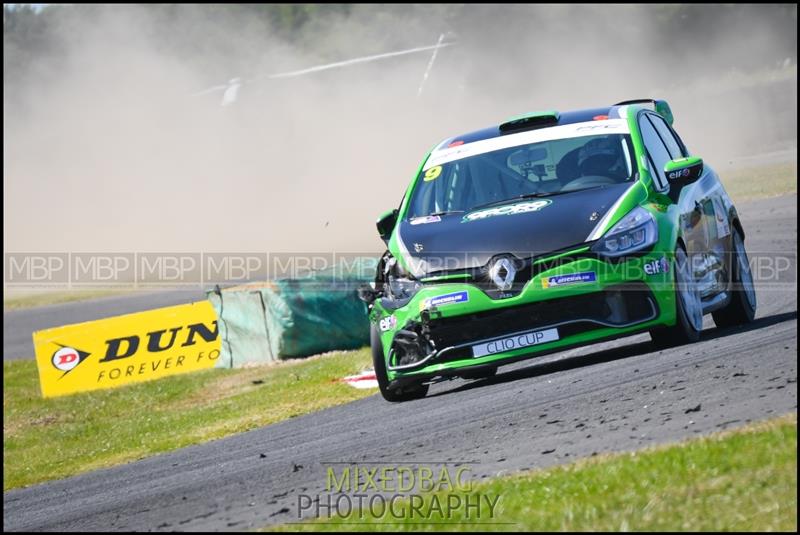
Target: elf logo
[[657, 266], [67, 358], [682, 173]]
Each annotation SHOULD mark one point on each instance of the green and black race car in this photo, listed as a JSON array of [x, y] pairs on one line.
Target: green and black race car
[[549, 231]]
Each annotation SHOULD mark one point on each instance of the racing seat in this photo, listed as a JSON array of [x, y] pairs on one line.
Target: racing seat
[[567, 168]]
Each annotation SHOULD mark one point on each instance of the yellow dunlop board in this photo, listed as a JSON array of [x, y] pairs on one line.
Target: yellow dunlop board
[[127, 349]]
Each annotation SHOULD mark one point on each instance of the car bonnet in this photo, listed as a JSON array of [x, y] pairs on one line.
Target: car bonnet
[[526, 228]]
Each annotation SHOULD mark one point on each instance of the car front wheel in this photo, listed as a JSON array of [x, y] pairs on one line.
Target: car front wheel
[[688, 307], [742, 308], [397, 394]]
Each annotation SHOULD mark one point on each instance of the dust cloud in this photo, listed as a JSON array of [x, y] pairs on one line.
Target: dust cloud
[[109, 151]]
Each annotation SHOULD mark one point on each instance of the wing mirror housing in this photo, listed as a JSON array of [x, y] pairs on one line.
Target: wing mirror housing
[[683, 171], [368, 293], [386, 223]]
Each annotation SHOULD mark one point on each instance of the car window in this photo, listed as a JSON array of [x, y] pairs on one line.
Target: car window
[[656, 149], [667, 137], [551, 166]]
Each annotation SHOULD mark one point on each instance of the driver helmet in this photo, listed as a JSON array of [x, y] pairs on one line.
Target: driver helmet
[[601, 156]]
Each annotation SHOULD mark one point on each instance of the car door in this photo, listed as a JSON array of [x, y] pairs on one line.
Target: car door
[[704, 223]]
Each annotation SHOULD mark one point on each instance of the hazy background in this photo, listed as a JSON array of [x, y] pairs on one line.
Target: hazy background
[[106, 151]]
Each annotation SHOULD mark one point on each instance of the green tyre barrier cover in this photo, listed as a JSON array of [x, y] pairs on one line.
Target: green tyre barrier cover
[[290, 318]]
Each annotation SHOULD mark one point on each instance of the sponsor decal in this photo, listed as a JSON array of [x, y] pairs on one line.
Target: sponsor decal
[[721, 218], [424, 220], [572, 278], [388, 323], [447, 299], [67, 359], [681, 173], [655, 267], [127, 349], [517, 341], [418, 247], [512, 209], [605, 125]]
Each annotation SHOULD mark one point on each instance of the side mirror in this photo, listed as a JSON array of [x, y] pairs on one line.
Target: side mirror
[[684, 171], [386, 222], [367, 293]]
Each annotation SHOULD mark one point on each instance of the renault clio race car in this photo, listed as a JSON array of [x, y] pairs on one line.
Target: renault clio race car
[[549, 231]]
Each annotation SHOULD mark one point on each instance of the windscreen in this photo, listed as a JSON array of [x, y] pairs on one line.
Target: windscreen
[[541, 168]]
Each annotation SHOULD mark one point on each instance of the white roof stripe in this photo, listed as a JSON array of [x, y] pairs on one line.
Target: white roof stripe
[[588, 128]]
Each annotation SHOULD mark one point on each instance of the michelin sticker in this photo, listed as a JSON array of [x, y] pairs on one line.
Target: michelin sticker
[[447, 299], [519, 208], [572, 278], [657, 266]]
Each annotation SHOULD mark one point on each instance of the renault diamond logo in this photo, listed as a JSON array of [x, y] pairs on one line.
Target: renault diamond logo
[[503, 273]]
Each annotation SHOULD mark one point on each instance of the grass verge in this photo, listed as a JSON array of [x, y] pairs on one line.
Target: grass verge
[[760, 182], [46, 439], [742, 480]]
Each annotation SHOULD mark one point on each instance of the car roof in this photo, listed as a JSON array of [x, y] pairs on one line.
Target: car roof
[[569, 117]]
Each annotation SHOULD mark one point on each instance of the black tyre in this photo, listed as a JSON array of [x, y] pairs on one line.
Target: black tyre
[[742, 308], [405, 393], [689, 307]]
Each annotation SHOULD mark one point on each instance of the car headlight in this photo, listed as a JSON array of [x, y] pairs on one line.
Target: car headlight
[[400, 286], [634, 232]]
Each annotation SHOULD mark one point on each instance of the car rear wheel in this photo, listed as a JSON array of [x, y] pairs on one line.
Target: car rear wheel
[[398, 394], [742, 308], [688, 307]]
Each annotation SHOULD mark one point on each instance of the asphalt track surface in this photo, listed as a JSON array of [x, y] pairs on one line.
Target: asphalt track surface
[[615, 396], [19, 325]]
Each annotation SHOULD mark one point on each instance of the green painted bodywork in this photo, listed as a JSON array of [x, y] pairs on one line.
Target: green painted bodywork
[[446, 277], [663, 109], [608, 273], [682, 163], [561, 255], [394, 245]]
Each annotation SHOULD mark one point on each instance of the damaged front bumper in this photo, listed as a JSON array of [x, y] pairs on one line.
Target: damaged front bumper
[[475, 331]]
